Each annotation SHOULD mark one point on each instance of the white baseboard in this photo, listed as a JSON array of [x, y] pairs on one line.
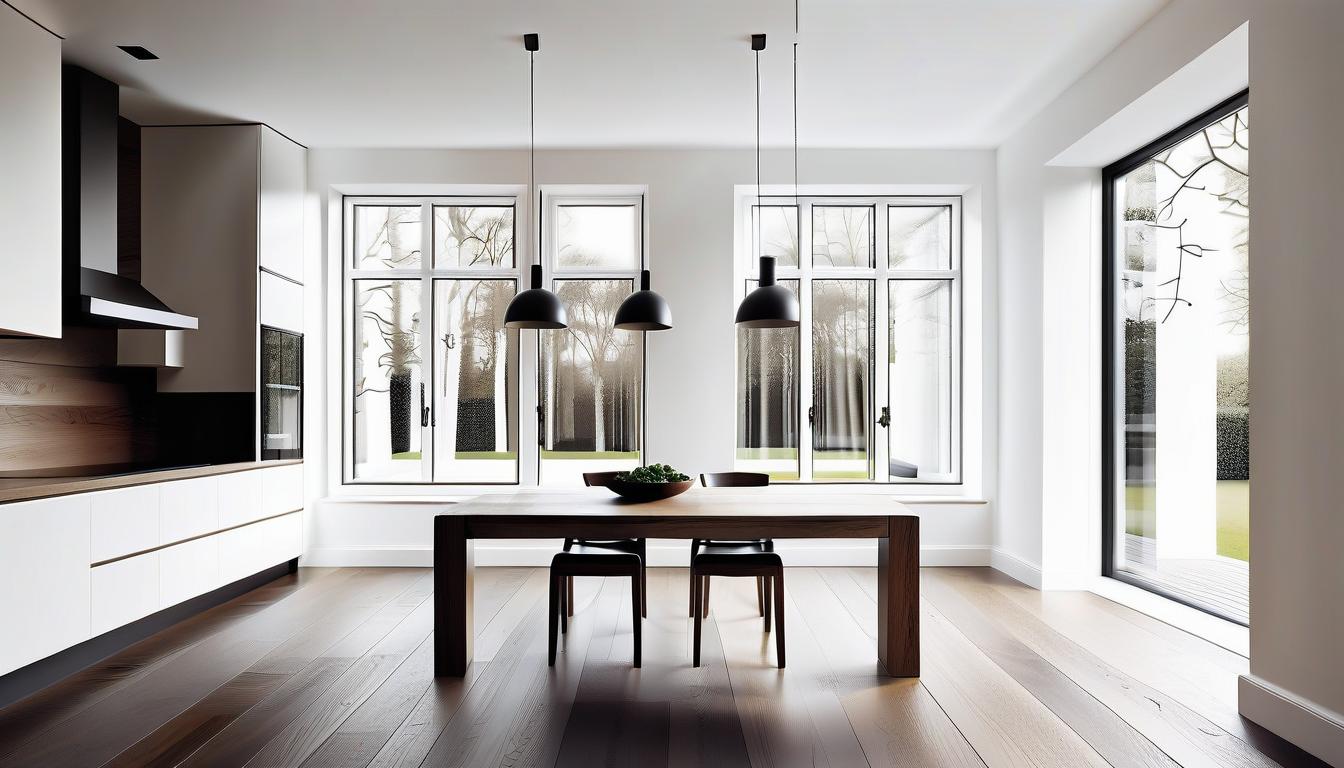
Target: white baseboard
[[1005, 562], [1313, 728], [661, 555]]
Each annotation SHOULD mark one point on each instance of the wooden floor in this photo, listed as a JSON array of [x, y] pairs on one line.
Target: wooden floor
[[333, 667], [1217, 582]]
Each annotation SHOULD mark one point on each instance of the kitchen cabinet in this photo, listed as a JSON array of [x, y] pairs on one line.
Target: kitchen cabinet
[[124, 591], [44, 578], [188, 508], [240, 498], [30, 159], [123, 521], [188, 569]]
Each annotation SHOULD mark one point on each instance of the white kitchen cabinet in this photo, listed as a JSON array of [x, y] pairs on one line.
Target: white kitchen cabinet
[[256, 547], [30, 166], [284, 170], [240, 495], [281, 489], [187, 570], [124, 591], [44, 577], [123, 521], [188, 508], [281, 303]]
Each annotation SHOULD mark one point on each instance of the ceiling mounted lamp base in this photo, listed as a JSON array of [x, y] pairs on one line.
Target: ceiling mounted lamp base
[[769, 306], [644, 310], [536, 307]]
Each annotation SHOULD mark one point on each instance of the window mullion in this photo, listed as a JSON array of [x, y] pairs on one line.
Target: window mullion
[[427, 336], [881, 346], [806, 397]]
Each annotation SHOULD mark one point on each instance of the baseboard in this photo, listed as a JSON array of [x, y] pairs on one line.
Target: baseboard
[[1315, 729], [25, 681], [1005, 562], [670, 554]]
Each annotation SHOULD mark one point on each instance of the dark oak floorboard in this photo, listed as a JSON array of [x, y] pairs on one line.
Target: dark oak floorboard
[[335, 668]]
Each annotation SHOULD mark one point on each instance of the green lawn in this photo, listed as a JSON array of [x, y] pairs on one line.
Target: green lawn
[[510, 455], [1234, 515]]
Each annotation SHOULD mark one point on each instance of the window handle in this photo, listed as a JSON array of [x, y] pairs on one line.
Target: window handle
[[811, 415], [424, 409], [541, 427], [885, 418]]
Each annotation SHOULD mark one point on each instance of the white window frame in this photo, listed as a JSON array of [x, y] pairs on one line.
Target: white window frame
[[881, 275], [426, 274], [552, 198]]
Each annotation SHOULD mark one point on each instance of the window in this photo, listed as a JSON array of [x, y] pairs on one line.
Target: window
[[867, 389], [433, 388], [1176, 407], [591, 388]]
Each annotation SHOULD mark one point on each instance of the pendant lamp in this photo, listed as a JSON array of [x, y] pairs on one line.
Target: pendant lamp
[[770, 305], [643, 310], [536, 307]]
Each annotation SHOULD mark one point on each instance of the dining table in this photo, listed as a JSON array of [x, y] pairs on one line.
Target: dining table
[[701, 513]]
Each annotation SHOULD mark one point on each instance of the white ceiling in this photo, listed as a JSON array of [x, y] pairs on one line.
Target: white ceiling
[[610, 73]]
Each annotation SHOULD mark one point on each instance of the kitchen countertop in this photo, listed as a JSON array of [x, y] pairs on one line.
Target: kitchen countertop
[[24, 489]]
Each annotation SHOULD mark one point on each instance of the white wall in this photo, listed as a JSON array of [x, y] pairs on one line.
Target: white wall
[[1046, 518], [690, 200]]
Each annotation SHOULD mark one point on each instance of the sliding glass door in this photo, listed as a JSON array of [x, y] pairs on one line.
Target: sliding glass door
[[1177, 407]]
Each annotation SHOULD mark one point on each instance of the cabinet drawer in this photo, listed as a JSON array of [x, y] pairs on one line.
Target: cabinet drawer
[[281, 489], [240, 498], [188, 508], [124, 591], [253, 548], [187, 570], [123, 521]]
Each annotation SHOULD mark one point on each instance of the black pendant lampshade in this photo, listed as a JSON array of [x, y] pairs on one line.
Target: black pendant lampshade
[[769, 306], [644, 310], [536, 307]]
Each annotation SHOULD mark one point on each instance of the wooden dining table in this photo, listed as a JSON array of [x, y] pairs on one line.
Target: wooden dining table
[[701, 513]]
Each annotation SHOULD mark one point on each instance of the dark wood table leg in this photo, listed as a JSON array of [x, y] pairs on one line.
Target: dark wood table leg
[[898, 597], [453, 576]]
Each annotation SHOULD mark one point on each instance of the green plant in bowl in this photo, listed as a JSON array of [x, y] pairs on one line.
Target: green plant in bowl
[[653, 473]]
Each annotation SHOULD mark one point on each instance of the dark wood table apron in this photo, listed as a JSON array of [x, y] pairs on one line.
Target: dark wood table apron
[[701, 513]]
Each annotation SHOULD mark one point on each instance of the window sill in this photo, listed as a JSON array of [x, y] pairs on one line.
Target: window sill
[[455, 494]]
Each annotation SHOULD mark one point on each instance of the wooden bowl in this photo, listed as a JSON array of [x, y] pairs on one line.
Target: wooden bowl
[[648, 491]]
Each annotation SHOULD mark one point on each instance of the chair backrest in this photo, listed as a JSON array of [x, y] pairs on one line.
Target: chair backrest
[[734, 479], [599, 479]]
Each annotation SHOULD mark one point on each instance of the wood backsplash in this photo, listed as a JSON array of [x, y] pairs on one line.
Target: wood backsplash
[[64, 403]]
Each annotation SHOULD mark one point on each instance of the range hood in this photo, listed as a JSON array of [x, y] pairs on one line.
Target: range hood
[[94, 293]]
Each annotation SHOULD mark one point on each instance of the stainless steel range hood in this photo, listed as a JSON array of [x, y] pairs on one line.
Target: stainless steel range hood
[[94, 293]]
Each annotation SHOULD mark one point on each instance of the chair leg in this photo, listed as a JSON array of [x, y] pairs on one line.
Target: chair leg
[[766, 613], [695, 603], [705, 600], [760, 595], [779, 616], [569, 596], [562, 584], [553, 616], [636, 600]]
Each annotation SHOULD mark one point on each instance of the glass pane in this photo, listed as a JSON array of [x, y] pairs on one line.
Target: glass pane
[[387, 379], [473, 236], [919, 237], [592, 385], [842, 344], [281, 394], [598, 236], [774, 232], [767, 398], [475, 395], [842, 236], [387, 237], [920, 381], [1182, 452]]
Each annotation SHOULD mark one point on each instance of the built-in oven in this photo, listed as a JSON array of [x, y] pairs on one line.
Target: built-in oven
[[281, 394]]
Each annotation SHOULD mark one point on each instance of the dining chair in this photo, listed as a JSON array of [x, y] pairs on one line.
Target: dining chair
[[718, 559], [734, 480], [585, 561], [637, 547]]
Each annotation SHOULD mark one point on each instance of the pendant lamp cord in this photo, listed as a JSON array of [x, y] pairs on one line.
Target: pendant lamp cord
[[532, 140], [795, 104], [758, 153]]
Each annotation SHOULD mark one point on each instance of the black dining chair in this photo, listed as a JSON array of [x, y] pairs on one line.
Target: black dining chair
[[754, 557], [585, 561], [637, 547]]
